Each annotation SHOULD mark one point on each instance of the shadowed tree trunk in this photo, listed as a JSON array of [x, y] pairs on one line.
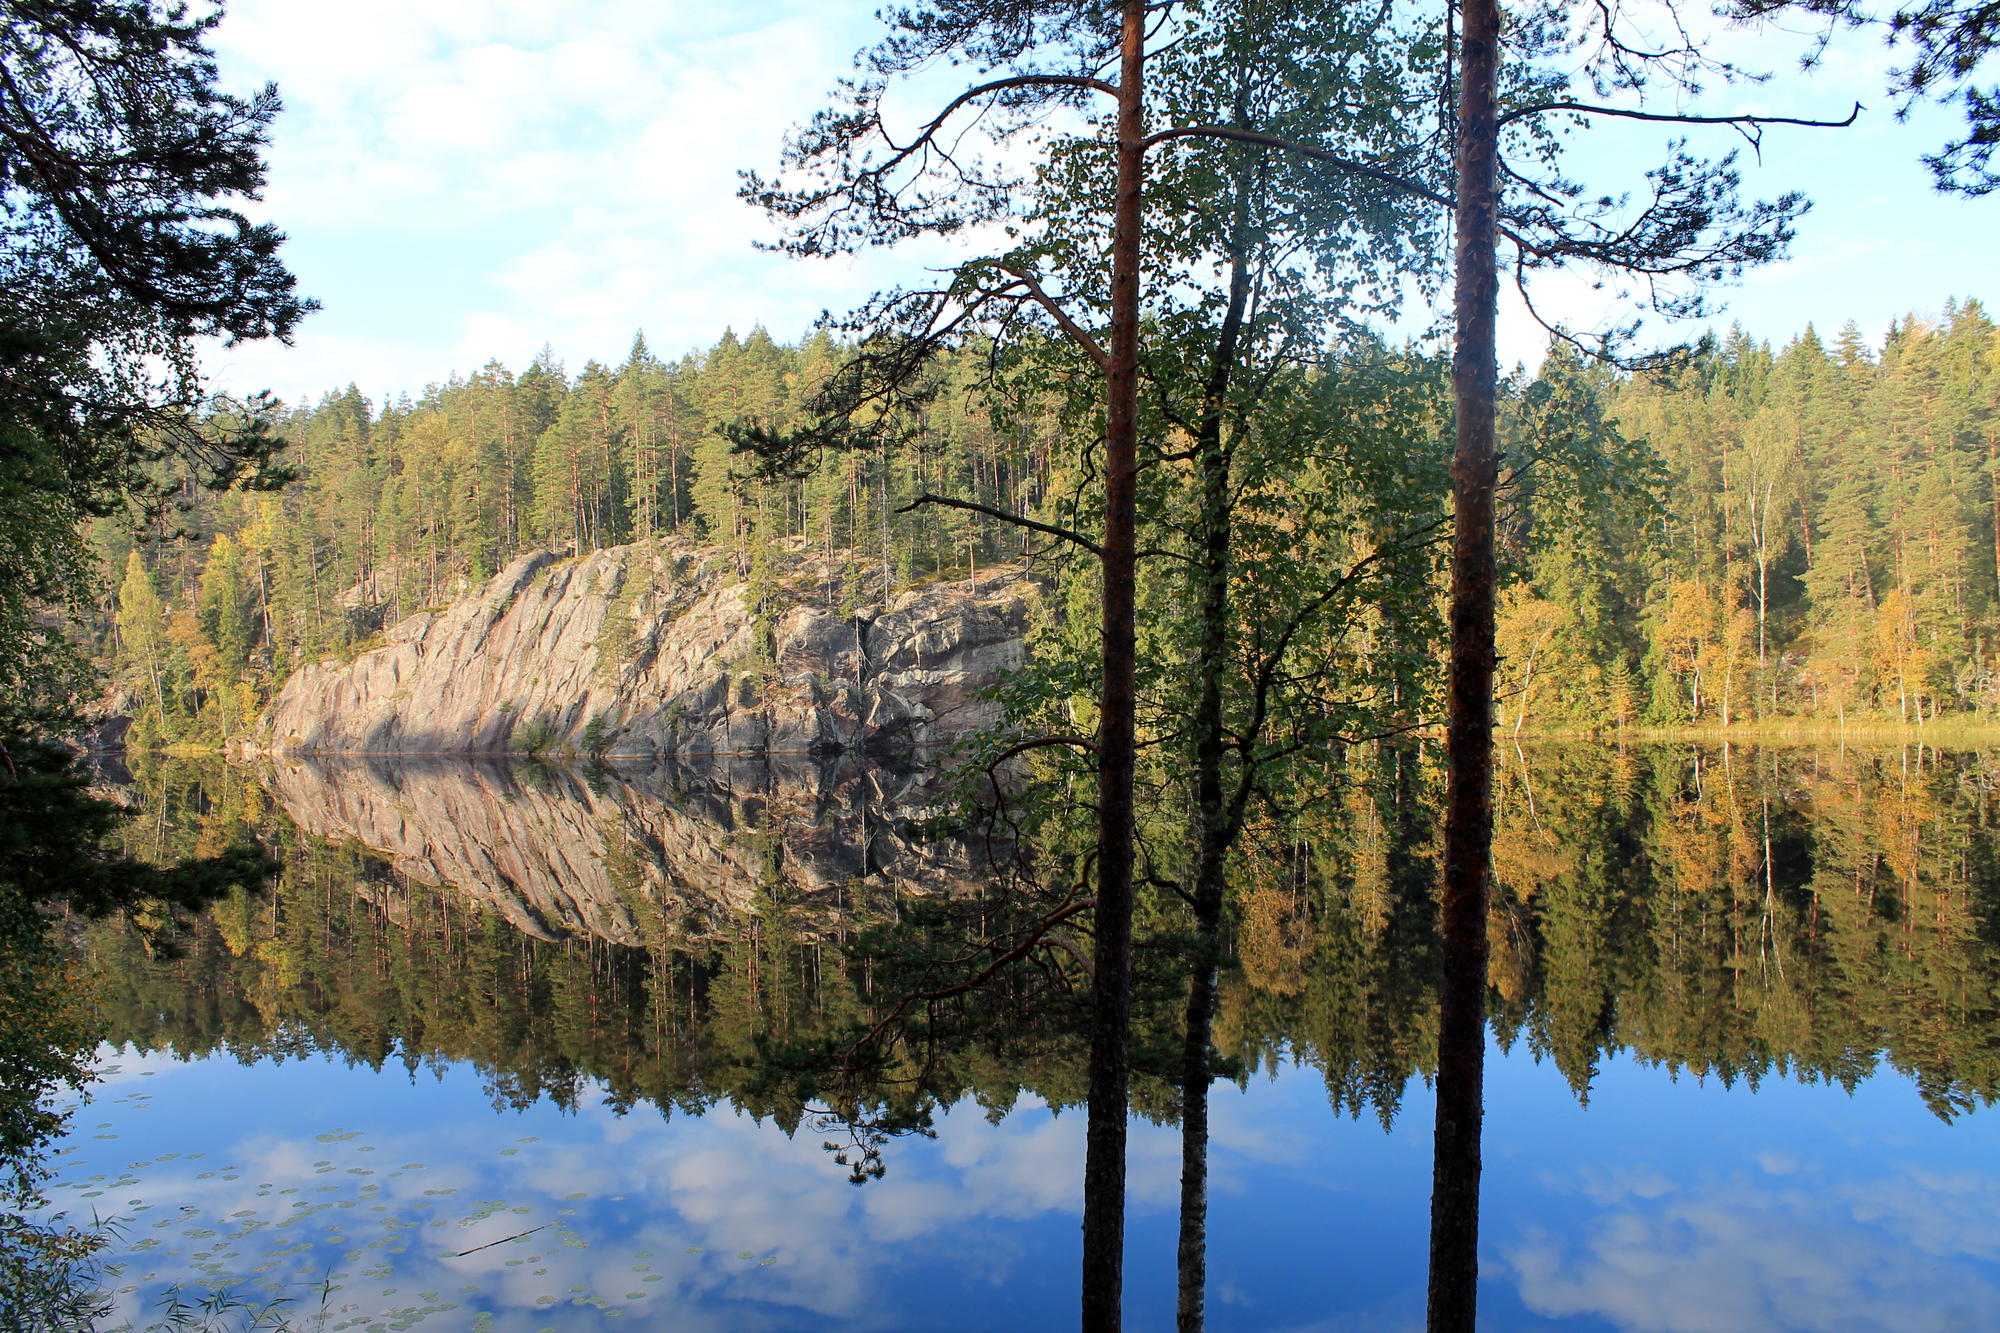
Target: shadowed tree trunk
[[1454, 1260], [1110, 1041]]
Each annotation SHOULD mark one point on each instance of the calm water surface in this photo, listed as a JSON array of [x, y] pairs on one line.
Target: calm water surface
[[496, 1054]]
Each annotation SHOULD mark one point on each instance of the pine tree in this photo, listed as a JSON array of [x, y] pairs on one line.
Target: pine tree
[[142, 640]]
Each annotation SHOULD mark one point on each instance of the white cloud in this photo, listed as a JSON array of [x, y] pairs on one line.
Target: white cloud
[[1744, 1252], [464, 179], [524, 178]]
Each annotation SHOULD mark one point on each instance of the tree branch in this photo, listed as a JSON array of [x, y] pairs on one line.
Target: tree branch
[[930, 130], [1319, 155], [1075, 330], [1583, 108], [1031, 940], [1005, 516]]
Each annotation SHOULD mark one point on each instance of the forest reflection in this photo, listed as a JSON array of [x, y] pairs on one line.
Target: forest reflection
[[783, 941], [1738, 913]]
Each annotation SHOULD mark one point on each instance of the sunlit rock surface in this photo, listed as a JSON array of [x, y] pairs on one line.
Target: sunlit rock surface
[[666, 650], [620, 854]]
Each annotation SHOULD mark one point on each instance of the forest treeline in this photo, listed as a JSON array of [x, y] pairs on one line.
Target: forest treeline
[[1824, 544], [1813, 530], [413, 503]]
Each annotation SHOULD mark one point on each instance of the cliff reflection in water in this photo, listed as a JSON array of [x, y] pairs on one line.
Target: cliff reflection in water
[[629, 854], [1739, 914]]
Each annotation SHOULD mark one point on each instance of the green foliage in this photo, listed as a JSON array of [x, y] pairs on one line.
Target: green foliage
[[1823, 546], [125, 167], [532, 736]]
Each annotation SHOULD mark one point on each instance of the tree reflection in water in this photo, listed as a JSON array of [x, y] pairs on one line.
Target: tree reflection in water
[[1742, 914]]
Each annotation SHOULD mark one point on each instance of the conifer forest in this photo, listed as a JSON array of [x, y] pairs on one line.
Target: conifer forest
[[1806, 530]]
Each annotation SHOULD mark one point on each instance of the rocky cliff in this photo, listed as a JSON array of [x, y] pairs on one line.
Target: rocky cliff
[[663, 649], [657, 850]]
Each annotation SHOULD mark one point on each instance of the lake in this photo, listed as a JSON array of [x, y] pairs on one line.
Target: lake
[[525, 1048]]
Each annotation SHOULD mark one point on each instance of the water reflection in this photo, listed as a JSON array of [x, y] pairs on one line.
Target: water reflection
[[620, 852], [698, 943]]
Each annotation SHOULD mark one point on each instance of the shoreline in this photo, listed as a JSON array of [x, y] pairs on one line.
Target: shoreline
[[1949, 735], [1944, 734]]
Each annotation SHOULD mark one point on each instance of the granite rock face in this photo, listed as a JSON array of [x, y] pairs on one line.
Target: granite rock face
[[660, 650], [637, 852]]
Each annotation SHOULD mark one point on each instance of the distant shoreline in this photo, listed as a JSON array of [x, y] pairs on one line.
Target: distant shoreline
[[1945, 732]]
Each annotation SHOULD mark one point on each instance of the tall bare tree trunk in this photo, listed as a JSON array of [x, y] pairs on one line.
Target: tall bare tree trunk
[[1454, 1270], [1111, 1019]]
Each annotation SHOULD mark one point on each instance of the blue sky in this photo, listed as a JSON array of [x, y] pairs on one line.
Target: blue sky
[[470, 179]]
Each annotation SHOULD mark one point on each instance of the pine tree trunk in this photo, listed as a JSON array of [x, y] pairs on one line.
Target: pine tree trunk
[[1111, 1019], [1454, 1259]]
